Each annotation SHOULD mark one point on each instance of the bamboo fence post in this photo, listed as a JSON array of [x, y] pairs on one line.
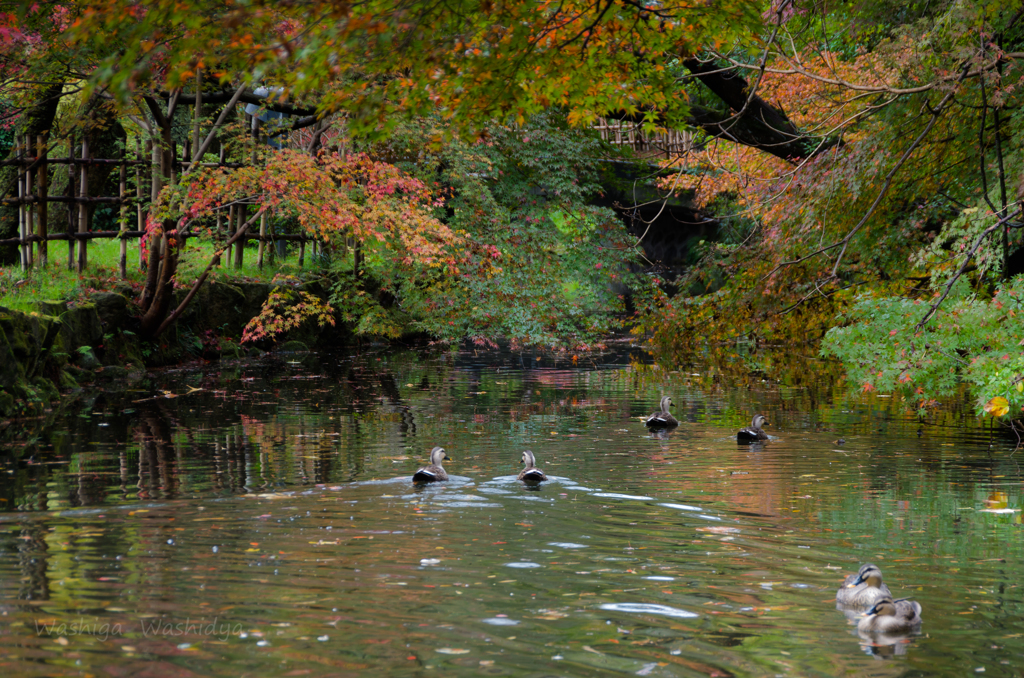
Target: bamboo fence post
[[198, 117], [230, 230], [139, 216], [241, 212], [30, 208], [155, 177], [172, 164], [217, 232], [263, 234], [70, 195], [221, 231], [253, 132], [83, 208], [43, 179], [21, 204], [122, 261]]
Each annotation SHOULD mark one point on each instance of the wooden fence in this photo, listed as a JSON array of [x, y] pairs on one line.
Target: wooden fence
[[663, 144], [33, 160]]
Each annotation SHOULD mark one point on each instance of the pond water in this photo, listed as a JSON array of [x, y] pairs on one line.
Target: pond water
[[262, 521]]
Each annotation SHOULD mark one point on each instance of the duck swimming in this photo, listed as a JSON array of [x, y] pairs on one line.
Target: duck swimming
[[891, 616], [864, 588], [530, 474], [754, 432], [435, 472], [661, 418]]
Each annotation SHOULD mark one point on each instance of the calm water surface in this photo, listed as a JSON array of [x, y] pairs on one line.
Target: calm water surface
[[262, 522]]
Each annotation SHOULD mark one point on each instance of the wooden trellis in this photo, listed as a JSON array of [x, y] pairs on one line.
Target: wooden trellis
[[662, 144], [33, 160]]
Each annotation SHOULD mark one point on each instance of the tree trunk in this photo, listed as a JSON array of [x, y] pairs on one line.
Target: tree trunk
[[760, 125]]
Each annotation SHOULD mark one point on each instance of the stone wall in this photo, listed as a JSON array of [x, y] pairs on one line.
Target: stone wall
[[60, 346]]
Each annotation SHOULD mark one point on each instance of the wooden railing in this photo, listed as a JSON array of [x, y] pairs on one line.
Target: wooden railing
[[33, 160], [668, 144]]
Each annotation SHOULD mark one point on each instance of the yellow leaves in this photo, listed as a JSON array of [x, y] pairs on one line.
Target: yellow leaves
[[997, 407]]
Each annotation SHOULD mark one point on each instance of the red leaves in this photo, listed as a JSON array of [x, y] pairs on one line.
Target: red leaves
[[334, 197]]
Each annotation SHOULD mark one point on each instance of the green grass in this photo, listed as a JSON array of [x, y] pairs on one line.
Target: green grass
[[22, 290]]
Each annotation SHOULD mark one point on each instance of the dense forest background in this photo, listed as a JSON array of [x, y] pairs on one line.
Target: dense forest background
[[861, 163]]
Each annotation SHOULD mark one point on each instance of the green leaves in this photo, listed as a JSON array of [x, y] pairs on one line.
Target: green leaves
[[967, 340]]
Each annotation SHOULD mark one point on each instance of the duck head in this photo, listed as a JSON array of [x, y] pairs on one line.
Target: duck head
[[870, 574], [528, 459], [886, 607], [759, 421], [437, 455]]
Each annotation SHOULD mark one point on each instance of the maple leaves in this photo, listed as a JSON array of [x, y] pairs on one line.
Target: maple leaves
[[286, 308], [334, 197]]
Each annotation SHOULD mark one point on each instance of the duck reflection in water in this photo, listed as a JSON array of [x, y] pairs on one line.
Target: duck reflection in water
[[661, 433], [885, 645]]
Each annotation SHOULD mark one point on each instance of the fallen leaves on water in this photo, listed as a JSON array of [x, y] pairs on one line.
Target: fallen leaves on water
[[551, 615], [452, 650]]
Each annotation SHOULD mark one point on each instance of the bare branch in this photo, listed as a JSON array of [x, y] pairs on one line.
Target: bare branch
[[936, 112]]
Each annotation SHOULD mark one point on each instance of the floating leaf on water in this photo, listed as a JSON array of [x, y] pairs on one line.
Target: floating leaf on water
[[997, 407], [500, 621], [452, 650], [647, 608], [551, 615]]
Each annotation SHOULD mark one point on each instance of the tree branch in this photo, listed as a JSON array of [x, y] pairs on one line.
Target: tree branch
[[202, 278], [936, 112], [967, 258]]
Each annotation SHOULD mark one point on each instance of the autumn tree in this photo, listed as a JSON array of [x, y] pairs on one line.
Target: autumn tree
[[868, 148]]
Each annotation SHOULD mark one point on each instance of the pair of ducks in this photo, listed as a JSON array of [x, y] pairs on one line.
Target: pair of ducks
[[435, 472], [885, 615], [662, 419]]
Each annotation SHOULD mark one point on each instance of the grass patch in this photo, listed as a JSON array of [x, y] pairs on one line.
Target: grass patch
[[22, 290]]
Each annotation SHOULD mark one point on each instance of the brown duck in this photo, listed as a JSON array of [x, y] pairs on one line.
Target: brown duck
[[891, 616], [754, 433], [435, 472], [530, 472], [661, 418]]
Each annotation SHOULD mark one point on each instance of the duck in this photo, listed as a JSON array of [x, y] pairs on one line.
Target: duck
[[891, 616], [754, 433], [864, 588], [661, 418], [530, 473], [435, 472]]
